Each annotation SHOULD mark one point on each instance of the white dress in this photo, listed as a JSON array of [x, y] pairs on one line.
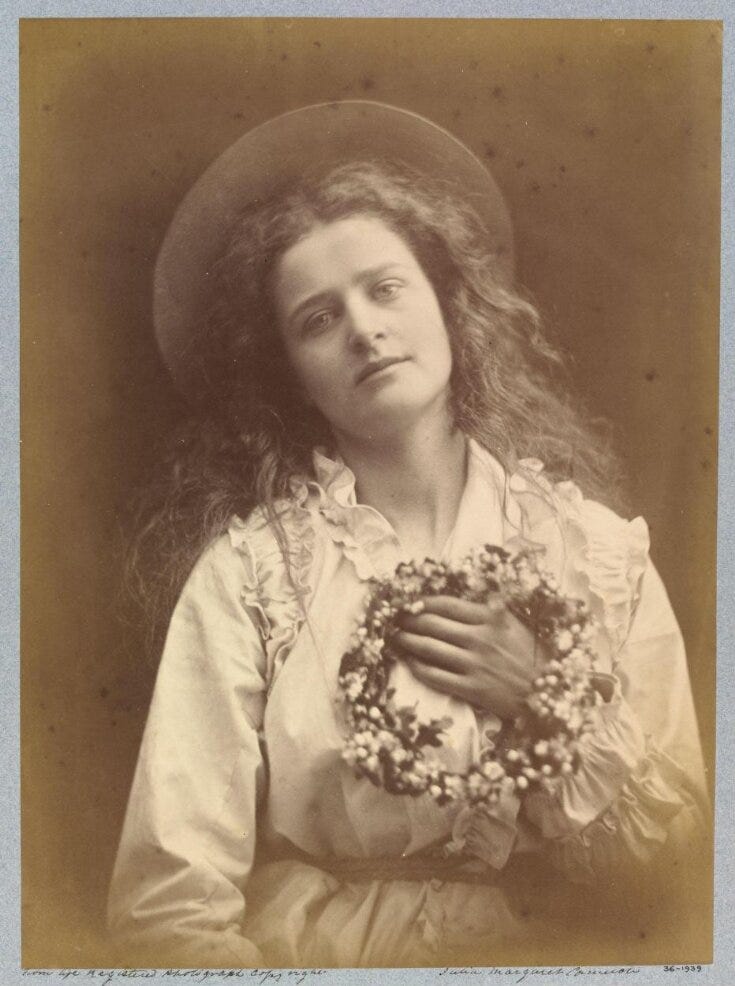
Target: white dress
[[246, 727]]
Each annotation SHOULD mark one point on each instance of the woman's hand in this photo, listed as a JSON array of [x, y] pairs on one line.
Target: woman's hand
[[478, 652]]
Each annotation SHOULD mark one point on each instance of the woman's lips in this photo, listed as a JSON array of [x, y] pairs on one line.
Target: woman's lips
[[381, 364]]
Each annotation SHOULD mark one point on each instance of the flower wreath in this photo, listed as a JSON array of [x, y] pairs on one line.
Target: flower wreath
[[387, 743]]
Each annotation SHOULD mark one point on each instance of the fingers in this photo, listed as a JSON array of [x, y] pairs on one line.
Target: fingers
[[464, 611], [442, 680], [439, 627], [432, 651]]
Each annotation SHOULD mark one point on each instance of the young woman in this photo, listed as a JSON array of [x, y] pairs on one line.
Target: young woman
[[335, 297]]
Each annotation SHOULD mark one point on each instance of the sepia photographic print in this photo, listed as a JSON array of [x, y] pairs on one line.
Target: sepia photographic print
[[369, 409]]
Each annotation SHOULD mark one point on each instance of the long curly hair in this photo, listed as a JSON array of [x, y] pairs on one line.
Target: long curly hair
[[252, 430]]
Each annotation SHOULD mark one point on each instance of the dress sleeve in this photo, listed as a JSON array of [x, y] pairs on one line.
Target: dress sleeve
[[642, 782], [188, 839]]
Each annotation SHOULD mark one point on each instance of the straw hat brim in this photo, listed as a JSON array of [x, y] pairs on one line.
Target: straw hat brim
[[274, 156]]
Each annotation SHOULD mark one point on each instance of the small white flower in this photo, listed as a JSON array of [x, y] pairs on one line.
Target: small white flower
[[529, 580], [562, 709], [564, 641], [454, 784], [492, 770], [475, 783], [353, 689]]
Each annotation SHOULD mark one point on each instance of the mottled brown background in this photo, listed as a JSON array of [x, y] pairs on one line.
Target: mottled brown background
[[604, 137]]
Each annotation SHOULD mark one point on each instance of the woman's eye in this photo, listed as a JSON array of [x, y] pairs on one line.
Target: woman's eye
[[318, 321], [385, 290]]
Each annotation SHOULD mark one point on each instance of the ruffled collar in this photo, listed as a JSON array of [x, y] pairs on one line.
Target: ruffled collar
[[494, 508], [363, 533]]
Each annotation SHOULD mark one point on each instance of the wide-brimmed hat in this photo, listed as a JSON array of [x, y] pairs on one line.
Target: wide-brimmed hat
[[273, 157]]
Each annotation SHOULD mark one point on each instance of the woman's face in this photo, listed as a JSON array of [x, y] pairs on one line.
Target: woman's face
[[362, 328]]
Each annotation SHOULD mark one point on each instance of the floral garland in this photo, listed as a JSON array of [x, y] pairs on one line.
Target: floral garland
[[387, 743]]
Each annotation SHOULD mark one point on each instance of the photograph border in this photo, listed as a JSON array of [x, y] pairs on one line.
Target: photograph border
[[724, 949]]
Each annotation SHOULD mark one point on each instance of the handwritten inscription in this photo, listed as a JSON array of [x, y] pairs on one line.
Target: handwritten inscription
[[261, 977], [522, 975], [614, 975], [294, 977]]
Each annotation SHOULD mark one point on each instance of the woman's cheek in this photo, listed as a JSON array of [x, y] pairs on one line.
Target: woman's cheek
[[322, 382], [306, 365]]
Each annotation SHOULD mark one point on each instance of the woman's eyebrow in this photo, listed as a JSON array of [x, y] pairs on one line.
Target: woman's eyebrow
[[313, 299], [372, 272]]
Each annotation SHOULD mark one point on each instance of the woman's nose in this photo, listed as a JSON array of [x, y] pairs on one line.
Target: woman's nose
[[366, 324]]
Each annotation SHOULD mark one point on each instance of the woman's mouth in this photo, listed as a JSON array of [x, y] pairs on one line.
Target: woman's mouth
[[380, 364]]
